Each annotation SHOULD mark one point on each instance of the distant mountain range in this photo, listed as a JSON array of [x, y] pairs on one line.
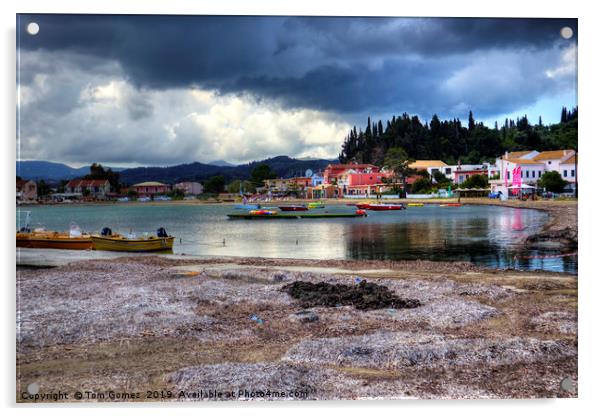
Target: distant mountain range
[[50, 171], [221, 163], [284, 166]]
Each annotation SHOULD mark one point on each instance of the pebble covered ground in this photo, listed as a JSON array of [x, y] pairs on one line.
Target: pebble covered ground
[[142, 324]]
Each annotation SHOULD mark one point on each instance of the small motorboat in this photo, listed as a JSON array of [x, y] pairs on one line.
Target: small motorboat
[[415, 204], [381, 207], [248, 206], [116, 242], [40, 238], [314, 205], [54, 239], [385, 207], [293, 208], [451, 205], [262, 212]]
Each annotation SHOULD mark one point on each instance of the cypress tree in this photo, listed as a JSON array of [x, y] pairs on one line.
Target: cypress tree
[[471, 124]]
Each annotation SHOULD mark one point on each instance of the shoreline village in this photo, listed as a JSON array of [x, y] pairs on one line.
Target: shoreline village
[[221, 208]]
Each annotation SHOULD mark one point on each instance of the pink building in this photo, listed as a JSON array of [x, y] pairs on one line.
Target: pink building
[[355, 179], [151, 188], [334, 171]]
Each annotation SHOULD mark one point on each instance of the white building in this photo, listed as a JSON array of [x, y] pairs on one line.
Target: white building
[[190, 188], [533, 165], [432, 166]]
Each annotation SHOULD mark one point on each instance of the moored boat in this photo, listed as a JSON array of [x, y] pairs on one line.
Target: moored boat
[[301, 215], [314, 205], [40, 238], [293, 208], [116, 242], [415, 204], [381, 207], [262, 212], [384, 207], [451, 205], [54, 239], [248, 206]]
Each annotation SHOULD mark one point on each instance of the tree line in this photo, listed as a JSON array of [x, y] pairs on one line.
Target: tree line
[[450, 140]]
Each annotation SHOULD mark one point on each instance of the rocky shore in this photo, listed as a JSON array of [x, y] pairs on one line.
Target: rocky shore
[[189, 329]]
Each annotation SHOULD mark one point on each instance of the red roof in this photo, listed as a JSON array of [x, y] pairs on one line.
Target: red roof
[[74, 183], [21, 183], [352, 166]]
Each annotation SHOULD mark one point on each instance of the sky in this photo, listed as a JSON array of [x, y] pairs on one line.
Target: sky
[[129, 90]]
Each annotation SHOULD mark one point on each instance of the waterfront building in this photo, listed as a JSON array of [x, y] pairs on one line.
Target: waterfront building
[[97, 188], [568, 170], [149, 189], [527, 167], [463, 172], [190, 188], [283, 186], [27, 190], [334, 170], [317, 179], [432, 166]]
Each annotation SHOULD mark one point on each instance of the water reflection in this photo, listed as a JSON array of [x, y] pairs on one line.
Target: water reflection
[[485, 235]]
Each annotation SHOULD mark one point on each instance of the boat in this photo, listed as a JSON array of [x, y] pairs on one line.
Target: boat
[[293, 208], [262, 212], [450, 205], [385, 207], [41, 238], [116, 242], [314, 205], [54, 240], [293, 216], [415, 204], [248, 206], [380, 207]]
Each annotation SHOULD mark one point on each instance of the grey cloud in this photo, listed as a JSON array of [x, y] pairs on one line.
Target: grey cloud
[[333, 63]]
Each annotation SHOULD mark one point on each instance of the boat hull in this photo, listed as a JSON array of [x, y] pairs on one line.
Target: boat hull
[[384, 207], [248, 206], [140, 245], [380, 207], [292, 216], [293, 208], [54, 241]]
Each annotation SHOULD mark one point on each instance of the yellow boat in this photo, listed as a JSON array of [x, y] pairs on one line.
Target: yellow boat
[[415, 204], [116, 242], [53, 239], [74, 239]]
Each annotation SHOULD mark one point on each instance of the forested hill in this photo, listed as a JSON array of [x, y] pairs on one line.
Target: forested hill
[[450, 141], [283, 166]]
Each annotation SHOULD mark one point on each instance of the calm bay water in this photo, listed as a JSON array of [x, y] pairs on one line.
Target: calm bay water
[[484, 235]]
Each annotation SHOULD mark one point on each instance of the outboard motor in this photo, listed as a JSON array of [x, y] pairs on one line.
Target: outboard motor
[[105, 232], [161, 232]]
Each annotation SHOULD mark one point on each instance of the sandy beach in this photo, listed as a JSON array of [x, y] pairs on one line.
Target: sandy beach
[[164, 328]]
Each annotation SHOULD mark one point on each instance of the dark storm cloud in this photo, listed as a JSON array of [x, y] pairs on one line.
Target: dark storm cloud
[[341, 64]]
